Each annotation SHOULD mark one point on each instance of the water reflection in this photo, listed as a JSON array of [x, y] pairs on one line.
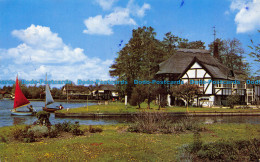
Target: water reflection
[[18, 120]]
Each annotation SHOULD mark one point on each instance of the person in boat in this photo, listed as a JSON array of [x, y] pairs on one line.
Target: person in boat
[[61, 107], [30, 108]]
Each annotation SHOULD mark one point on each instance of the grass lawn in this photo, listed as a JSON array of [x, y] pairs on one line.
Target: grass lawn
[[115, 144], [118, 107]]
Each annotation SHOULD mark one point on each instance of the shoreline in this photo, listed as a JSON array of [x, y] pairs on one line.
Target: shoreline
[[172, 114]]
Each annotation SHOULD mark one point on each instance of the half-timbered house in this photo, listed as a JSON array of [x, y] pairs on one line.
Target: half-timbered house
[[216, 81]]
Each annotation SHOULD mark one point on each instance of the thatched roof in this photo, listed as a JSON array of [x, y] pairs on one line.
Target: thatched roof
[[107, 87], [183, 58]]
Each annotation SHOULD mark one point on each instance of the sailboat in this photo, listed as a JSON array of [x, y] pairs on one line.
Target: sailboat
[[19, 101], [48, 99]]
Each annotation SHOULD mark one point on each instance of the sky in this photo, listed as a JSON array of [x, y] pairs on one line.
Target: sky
[[79, 39]]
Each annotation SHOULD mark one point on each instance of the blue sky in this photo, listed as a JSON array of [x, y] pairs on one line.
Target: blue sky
[[79, 39]]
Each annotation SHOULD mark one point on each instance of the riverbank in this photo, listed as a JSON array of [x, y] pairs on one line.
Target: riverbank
[[118, 109], [64, 100], [115, 143]]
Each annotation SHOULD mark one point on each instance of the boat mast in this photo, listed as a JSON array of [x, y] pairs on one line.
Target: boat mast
[[45, 90]]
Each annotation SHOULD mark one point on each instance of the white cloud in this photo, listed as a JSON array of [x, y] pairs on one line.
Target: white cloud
[[106, 4], [120, 16], [43, 51], [248, 16], [136, 9], [103, 26]]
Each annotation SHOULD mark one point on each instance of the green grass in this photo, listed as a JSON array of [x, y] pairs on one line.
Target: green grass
[[116, 145], [118, 107]]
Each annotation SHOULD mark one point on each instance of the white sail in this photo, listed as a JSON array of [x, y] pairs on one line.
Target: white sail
[[49, 98]]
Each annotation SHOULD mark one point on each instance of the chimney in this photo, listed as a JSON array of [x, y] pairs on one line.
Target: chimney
[[215, 50]]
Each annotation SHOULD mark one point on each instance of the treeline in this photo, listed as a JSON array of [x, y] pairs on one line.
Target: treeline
[[35, 92], [139, 59]]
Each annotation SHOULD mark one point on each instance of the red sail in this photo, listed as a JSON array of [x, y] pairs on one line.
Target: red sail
[[20, 99]]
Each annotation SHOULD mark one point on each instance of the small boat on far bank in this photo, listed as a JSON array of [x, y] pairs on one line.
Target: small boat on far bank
[[19, 101]]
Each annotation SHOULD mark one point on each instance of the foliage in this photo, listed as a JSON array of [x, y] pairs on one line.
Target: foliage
[[22, 134], [159, 122], [139, 59], [76, 130], [64, 127], [256, 53], [39, 131], [94, 130], [240, 150], [53, 132], [186, 92], [43, 118], [192, 45], [139, 95], [231, 55], [232, 100]]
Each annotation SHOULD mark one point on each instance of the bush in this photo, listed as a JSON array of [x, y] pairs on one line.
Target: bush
[[53, 132], [94, 130], [23, 134], [64, 127], [243, 150], [159, 122], [43, 118], [39, 131], [75, 129], [232, 100], [151, 122]]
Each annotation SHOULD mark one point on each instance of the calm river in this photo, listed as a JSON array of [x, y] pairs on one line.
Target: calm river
[[7, 120]]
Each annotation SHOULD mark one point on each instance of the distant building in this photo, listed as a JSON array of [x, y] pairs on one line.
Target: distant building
[[105, 92], [198, 65], [4, 94], [76, 92]]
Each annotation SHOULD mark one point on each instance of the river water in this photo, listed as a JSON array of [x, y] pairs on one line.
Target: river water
[[7, 120]]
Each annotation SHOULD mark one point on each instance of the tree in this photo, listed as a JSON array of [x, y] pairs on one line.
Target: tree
[[138, 96], [139, 59], [231, 54], [256, 53], [187, 92], [192, 45]]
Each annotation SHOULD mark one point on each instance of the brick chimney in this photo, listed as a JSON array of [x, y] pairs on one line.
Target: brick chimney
[[215, 50]]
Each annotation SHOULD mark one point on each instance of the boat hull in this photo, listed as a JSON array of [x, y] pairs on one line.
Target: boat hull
[[22, 113], [48, 109]]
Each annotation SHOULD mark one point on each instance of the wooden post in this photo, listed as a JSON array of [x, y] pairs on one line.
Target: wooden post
[[126, 101]]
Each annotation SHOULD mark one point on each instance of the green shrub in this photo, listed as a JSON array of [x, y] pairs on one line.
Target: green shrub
[[76, 130], [243, 150], [232, 100], [23, 134], [159, 122], [94, 130], [64, 127], [53, 132], [39, 131], [29, 137], [151, 122], [43, 118]]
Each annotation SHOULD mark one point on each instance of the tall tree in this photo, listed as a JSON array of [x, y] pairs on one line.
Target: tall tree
[[231, 54], [256, 50], [139, 59]]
